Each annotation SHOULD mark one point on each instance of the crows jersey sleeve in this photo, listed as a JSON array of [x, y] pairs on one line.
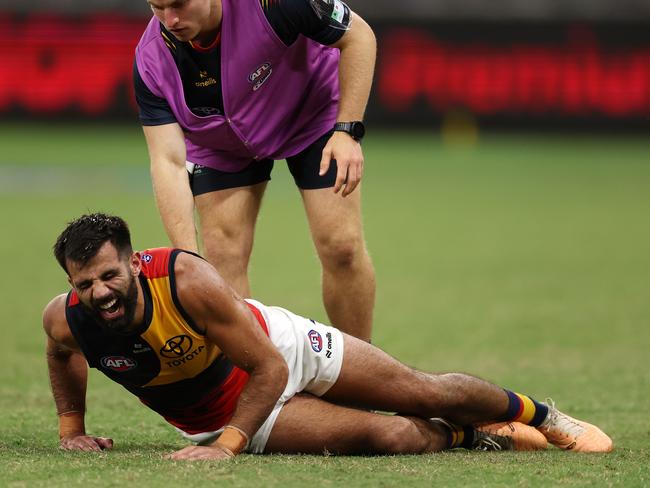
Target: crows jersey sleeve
[[153, 110]]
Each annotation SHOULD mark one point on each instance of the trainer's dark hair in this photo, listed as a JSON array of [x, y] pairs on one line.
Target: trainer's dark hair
[[82, 238]]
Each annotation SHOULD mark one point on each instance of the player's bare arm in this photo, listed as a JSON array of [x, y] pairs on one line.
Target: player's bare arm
[[229, 323], [68, 377], [171, 187], [358, 48]]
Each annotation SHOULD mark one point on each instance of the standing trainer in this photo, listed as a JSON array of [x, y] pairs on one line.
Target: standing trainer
[[225, 87]]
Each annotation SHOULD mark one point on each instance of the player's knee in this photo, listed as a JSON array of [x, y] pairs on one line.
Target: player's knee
[[341, 251], [399, 436], [223, 246]]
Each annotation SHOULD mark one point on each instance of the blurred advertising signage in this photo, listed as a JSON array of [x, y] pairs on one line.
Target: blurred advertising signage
[[557, 71], [57, 65], [52, 64]]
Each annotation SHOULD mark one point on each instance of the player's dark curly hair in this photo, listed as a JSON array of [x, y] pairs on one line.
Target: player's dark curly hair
[[83, 237]]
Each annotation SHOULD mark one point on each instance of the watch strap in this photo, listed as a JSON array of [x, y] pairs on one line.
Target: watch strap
[[355, 129]]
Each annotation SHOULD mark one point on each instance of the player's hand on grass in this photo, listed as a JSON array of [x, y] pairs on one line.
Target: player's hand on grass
[[349, 160], [196, 453], [81, 442]]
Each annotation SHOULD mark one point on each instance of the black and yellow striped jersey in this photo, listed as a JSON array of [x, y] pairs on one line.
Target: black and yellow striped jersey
[[167, 363]]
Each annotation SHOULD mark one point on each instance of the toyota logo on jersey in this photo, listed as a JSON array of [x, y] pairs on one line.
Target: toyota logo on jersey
[[315, 340], [177, 346]]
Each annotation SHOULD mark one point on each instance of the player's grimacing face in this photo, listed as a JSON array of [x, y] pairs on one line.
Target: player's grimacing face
[[107, 288], [185, 19]]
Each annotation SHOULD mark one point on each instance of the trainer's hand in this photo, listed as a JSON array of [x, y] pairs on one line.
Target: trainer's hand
[[349, 160], [79, 442], [196, 453]]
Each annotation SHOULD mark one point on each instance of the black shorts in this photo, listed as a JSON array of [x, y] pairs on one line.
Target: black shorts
[[304, 168]]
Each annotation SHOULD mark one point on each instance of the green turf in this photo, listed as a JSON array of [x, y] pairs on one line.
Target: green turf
[[523, 259]]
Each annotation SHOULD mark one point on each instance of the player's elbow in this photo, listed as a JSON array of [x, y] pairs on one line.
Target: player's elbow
[[168, 166], [275, 372], [272, 371], [280, 373]]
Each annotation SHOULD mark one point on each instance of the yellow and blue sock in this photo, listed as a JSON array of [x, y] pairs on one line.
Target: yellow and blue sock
[[524, 409], [458, 436]]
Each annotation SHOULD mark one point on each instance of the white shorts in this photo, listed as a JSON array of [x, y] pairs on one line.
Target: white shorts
[[314, 355]]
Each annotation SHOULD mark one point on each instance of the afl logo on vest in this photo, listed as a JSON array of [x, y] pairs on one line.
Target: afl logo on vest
[[260, 75], [316, 340], [118, 363]]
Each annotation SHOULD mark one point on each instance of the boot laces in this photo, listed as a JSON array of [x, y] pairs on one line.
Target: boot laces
[[561, 422], [490, 442]]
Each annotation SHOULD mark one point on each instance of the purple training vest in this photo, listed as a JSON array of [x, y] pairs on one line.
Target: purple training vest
[[277, 99]]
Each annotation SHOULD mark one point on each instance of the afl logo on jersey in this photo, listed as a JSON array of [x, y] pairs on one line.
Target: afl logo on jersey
[[147, 258], [315, 340], [260, 75], [118, 363]]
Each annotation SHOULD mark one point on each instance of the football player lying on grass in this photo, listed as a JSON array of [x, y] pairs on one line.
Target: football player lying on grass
[[234, 375]]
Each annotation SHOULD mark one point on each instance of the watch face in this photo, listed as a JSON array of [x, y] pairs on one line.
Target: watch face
[[358, 130]]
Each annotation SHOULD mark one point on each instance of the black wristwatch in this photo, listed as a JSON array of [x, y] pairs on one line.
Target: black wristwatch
[[356, 129]]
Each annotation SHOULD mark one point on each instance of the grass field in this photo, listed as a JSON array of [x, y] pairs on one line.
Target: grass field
[[523, 259]]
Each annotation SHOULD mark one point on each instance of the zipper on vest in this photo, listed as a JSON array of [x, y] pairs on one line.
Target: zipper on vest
[[245, 142]]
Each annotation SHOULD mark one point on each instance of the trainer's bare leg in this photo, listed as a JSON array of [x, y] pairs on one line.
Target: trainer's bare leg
[[227, 229], [310, 425], [372, 379], [348, 275]]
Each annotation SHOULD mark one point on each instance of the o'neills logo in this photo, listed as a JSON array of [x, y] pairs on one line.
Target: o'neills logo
[[118, 363], [179, 350], [260, 75]]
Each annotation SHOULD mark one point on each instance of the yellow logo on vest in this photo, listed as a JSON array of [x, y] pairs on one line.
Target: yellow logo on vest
[[207, 80]]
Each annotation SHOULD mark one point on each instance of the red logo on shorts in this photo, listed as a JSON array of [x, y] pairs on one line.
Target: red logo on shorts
[[316, 340]]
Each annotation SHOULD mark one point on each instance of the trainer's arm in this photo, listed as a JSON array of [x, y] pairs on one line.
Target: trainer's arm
[[358, 48], [68, 377], [171, 187], [229, 323]]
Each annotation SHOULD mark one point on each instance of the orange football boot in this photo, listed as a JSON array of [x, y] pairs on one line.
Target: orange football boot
[[511, 436], [570, 434]]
